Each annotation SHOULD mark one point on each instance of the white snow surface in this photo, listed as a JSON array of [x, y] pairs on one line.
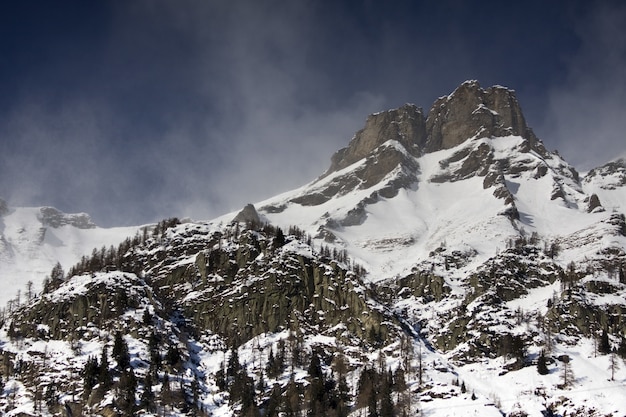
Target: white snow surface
[[397, 234], [30, 249], [401, 231]]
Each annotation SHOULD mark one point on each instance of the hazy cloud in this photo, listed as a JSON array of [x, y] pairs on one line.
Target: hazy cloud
[[586, 114], [195, 107]]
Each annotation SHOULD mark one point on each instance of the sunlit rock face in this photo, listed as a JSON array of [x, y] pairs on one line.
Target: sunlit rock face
[[473, 112]]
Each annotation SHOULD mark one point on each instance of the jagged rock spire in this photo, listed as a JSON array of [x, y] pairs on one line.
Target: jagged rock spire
[[469, 112], [248, 214], [406, 124]]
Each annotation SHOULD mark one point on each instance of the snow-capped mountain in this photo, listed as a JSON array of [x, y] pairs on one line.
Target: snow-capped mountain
[[472, 177], [34, 239], [445, 264]]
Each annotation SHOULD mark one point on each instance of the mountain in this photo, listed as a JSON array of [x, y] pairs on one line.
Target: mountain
[[34, 239], [444, 264]]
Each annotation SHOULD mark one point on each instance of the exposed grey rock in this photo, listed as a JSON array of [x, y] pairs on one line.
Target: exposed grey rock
[[407, 125], [4, 207], [594, 203], [49, 216], [248, 215], [613, 174], [471, 112]]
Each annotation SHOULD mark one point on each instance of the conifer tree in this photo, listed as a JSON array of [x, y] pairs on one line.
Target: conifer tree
[[274, 402], [104, 375], [316, 388], [604, 346], [567, 375], [127, 386], [542, 364], [613, 363], [279, 239], [292, 403], [120, 351], [147, 396], [90, 375], [386, 403], [343, 390], [621, 350]]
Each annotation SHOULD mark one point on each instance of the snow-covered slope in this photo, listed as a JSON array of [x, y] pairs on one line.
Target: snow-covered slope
[[452, 251], [34, 239], [534, 195]]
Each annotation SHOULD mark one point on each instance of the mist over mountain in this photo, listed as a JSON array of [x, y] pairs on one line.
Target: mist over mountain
[[445, 262]]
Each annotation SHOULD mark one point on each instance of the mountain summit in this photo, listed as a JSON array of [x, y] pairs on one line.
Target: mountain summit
[[443, 262], [469, 112], [383, 156]]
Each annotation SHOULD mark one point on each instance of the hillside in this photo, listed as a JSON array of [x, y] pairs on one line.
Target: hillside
[[34, 239], [446, 263]]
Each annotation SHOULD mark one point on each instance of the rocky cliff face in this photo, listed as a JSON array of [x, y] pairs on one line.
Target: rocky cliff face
[[451, 248], [383, 155], [4, 208], [406, 125], [469, 112], [473, 112], [55, 218]]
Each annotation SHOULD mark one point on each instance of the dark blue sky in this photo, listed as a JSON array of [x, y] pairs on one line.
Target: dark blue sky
[[138, 110]]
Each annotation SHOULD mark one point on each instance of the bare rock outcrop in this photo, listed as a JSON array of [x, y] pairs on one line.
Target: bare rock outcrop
[[248, 215], [407, 125], [4, 207], [472, 112], [49, 216], [469, 112]]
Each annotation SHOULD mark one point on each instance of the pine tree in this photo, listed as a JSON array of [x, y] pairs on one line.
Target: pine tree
[[401, 388], [57, 273], [613, 364], [292, 403], [366, 388], [316, 389], [542, 364], [234, 367], [621, 350], [567, 375], [120, 351], [90, 375], [279, 239], [604, 345], [343, 389], [147, 396], [104, 375], [173, 356], [274, 402], [386, 403], [127, 386]]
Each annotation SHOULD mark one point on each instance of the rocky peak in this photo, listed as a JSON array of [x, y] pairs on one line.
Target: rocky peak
[[610, 176], [248, 215], [4, 207], [471, 111], [50, 216], [406, 124]]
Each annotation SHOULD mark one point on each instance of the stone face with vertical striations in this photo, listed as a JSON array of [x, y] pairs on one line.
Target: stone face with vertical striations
[[391, 141], [469, 112], [472, 112], [407, 125]]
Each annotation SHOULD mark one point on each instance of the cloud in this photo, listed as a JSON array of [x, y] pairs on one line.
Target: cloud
[[189, 111], [195, 108], [586, 111]]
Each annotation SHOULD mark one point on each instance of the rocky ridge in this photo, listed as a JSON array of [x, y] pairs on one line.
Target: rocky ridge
[[450, 255]]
